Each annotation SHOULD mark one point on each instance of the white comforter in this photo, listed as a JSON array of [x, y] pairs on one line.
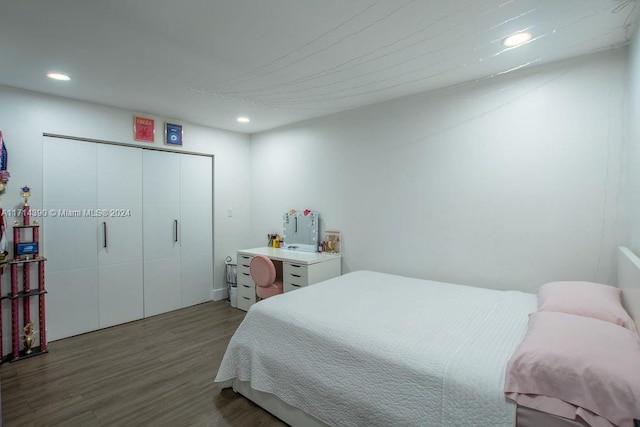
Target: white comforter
[[376, 349]]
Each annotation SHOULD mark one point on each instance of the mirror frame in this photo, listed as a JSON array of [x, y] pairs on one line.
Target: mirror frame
[[313, 220]]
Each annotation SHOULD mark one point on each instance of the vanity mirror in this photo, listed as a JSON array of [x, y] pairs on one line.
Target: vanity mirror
[[300, 230]]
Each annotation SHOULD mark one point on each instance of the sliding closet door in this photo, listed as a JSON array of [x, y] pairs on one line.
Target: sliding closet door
[[69, 237], [161, 231], [120, 234], [197, 229]]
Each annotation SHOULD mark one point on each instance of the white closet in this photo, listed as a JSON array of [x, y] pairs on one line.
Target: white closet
[[153, 251], [178, 266]]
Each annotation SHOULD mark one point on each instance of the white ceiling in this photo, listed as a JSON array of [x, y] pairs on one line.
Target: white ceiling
[[283, 61]]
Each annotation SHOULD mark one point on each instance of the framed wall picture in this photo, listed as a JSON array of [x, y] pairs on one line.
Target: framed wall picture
[[143, 129], [172, 134]]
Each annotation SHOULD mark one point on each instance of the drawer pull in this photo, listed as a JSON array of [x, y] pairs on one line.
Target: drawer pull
[[293, 284], [246, 286], [245, 265], [246, 298], [295, 275], [247, 274], [296, 266]]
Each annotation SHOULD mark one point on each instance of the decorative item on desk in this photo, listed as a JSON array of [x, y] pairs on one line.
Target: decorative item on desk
[[274, 240], [28, 337], [332, 241]]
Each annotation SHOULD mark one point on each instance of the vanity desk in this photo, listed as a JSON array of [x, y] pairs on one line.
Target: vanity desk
[[296, 268]]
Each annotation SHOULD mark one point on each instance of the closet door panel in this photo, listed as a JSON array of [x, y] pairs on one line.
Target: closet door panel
[[122, 242], [70, 238], [196, 179], [161, 286], [196, 278], [196, 227], [162, 230], [120, 272], [69, 171], [120, 292], [161, 177], [72, 303], [120, 198], [196, 212], [119, 175]]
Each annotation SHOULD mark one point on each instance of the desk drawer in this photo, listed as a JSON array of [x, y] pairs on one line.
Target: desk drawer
[[244, 261], [288, 287], [244, 279], [247, 291], [295, 272], [245, 302]]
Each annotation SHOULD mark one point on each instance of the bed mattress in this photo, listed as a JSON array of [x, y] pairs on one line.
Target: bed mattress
[[373, 349]]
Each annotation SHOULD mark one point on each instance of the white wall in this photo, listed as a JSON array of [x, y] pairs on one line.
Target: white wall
[[25, 116], [632, 184], [505, 183]]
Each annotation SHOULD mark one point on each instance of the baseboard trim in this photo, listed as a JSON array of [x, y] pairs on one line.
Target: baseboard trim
[[220, 294]]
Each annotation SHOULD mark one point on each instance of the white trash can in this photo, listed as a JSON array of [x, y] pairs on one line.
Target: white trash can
[[233, 298]]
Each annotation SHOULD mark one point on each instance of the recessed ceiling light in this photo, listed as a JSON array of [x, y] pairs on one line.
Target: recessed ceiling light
[[517, 39], [243, 119], [58, 76]]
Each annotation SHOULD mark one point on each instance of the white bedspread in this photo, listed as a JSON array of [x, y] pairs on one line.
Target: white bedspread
[[378, 350]]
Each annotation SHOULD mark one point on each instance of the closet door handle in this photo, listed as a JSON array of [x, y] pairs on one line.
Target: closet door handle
[[175, 230], [104, 229]]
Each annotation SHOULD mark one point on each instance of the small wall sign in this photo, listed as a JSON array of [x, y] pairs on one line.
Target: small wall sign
[[172, 134], [143, 129]]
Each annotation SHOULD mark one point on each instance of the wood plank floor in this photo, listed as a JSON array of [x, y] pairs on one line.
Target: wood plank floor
[[153, 372]]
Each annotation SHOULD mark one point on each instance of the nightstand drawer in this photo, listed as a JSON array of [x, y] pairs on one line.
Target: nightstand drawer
[[247, 291]]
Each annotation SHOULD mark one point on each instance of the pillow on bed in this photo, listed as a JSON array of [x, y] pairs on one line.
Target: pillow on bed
[[587, 299], [574, 366]]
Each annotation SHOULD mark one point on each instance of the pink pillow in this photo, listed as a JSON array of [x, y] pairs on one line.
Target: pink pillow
[[587, 299], [577, 367]]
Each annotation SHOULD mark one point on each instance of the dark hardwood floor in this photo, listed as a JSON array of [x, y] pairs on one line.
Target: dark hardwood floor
[[153, 372]]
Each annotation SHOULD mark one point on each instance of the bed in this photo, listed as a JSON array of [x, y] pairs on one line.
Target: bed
[[372, 349]]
